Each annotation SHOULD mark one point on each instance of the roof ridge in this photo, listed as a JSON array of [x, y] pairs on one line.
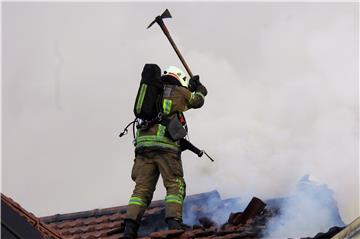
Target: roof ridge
[[83, 214]]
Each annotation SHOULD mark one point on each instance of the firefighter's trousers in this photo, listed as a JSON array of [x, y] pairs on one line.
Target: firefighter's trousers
[[147, 167]]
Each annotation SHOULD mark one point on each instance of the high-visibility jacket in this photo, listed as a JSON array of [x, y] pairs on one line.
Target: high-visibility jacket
[[176, 100]]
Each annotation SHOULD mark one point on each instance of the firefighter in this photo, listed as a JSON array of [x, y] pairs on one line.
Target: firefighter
[[157, 154]]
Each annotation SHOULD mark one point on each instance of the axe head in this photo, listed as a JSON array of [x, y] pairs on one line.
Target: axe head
[[165, 14]]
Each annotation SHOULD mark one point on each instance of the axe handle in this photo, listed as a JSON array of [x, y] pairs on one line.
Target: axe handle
[[167, 34]]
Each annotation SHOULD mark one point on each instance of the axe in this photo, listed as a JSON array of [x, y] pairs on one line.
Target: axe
[[158, 20]]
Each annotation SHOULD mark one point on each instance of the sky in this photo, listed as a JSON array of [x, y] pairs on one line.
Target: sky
[[283, 98]]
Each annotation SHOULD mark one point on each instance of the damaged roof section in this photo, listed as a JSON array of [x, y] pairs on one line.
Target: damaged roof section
[[205, 213], [209, 216], [201, 208]]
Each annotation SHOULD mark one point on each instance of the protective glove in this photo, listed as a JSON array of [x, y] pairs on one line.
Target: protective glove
[[194, 83]]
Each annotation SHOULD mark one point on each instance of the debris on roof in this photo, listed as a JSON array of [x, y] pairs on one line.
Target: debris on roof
[[255, 207]]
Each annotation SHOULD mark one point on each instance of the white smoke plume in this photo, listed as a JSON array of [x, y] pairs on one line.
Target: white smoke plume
[[282, 102], [212, 207], [290, 108], [310, 209]]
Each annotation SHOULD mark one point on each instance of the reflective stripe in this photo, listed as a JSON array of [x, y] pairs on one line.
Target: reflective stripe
[[156, 140], [179, 198], [160, 144], [166, 110], [161, 130], [181, 187], [171, 198], [162, 139], [173, 201], [136, 201], [141, 98], [167, 106], [159, 139]]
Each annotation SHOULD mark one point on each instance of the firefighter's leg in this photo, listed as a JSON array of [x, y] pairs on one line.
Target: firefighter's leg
[[171, 171], [145, 174]]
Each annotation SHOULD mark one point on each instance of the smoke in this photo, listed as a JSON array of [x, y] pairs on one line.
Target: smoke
[[212, 207], [282, 102], [292, 111], [309, 210]]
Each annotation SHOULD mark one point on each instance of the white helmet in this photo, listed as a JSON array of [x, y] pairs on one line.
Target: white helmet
[[178, 74]]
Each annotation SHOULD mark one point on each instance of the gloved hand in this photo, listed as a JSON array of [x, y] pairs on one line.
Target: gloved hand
[[194, 83]]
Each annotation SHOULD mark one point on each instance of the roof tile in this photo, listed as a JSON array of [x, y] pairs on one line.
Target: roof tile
[[75, 223], [75, 230], [102, 219], [116, 216], [89, 221], [64, 232], [235, 236], [110, 237], [116, 224], [166, 234], [205, 233], [89, 228], [102, 226], [62, 225], [151, 211]]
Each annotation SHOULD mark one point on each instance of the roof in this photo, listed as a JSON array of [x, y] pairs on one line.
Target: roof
[[108, 223], [246, 222], [14, 226], [16, 222]]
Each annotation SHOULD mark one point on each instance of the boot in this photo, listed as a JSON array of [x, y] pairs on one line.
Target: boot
[[131, 229], [173, 224]]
